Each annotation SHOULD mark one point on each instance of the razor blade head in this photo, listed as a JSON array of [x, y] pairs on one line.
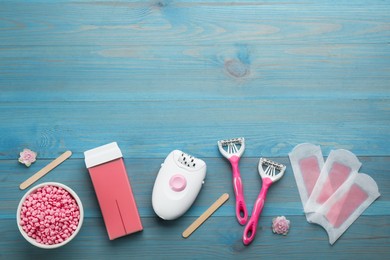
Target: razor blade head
[[239, 140], [230, 147], [270, 169]]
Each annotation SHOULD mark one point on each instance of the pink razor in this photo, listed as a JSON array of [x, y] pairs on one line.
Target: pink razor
[[270, 172], [235, 148]]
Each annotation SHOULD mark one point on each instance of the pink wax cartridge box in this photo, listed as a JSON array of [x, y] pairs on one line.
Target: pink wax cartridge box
[[112, 187]]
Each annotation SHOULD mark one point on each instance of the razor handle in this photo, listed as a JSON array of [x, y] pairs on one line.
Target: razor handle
[[241, 211], [251, 227]]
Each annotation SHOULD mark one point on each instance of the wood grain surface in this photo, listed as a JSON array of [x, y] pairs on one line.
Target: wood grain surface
[[156, 76]]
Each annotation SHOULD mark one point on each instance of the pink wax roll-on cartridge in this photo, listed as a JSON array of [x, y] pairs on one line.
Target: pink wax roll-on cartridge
[[112, 187]]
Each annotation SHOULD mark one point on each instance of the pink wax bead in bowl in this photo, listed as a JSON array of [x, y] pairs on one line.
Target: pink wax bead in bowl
[[50, 215]]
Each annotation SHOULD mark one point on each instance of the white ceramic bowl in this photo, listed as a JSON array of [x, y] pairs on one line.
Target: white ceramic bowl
[[33, 241]]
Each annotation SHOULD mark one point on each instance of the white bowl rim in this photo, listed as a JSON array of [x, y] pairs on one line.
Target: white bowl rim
[[30, 239]]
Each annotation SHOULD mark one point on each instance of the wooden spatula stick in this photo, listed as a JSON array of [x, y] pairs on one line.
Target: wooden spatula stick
[[199, 221], [45, 170]]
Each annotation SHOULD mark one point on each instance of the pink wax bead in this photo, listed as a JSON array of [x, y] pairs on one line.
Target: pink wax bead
[[45, 210]]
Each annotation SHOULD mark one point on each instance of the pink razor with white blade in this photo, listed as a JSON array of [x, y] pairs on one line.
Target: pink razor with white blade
[[273, 172], [235, 148]]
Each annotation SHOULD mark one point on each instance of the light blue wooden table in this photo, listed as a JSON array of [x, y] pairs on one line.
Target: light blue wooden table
[[156, 76]]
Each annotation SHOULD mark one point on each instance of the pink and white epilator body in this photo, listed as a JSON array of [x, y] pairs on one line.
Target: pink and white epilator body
[[112, 187]]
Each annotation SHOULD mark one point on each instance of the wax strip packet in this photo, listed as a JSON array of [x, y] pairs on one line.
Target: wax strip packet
[[345, 205], [306, 161], [339, 167]]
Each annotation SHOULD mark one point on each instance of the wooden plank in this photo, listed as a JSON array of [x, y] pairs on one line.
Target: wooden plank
[[160, 75], [182, 23], [283, 197], [162, 240], [152, 129], [222, 231], [232, 72]]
